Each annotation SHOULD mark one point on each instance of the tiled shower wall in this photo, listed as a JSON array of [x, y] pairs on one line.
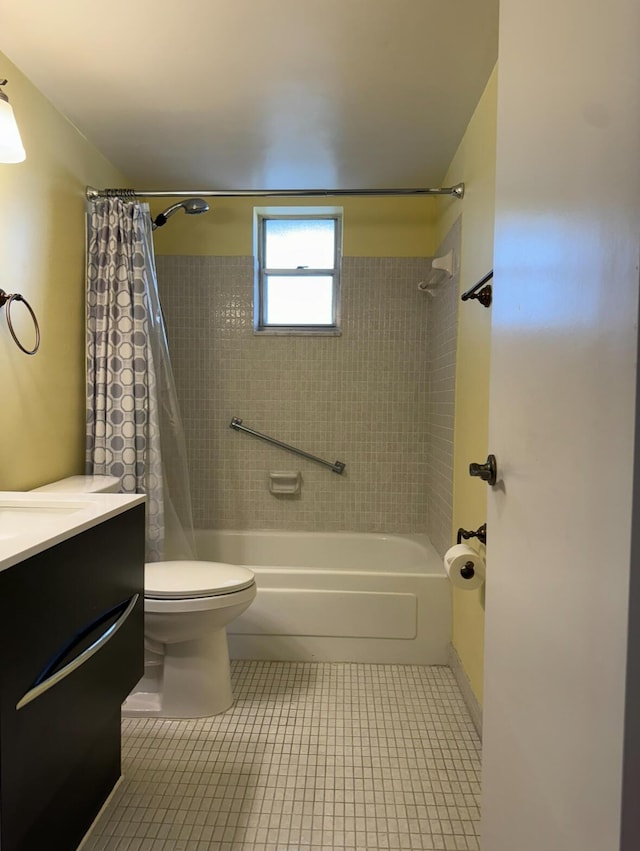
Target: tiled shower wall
[[361, 398], [441, 355]]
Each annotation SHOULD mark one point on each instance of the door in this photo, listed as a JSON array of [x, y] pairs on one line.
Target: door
[[563, 390]]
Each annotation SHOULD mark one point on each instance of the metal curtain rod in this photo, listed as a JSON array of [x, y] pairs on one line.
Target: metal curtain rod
[[93, 194]]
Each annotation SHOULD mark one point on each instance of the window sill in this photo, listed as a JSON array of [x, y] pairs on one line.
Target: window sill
[[297, 332]]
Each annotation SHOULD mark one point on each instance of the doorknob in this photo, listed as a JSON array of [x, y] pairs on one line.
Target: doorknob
[[487, 472]]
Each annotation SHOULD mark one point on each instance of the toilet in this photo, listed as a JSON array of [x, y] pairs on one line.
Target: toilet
[[187, 606]]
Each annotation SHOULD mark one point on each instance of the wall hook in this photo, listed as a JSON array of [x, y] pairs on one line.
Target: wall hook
[[488, 471]]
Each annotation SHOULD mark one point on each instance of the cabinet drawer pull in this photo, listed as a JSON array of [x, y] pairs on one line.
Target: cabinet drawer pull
[[45, 682]]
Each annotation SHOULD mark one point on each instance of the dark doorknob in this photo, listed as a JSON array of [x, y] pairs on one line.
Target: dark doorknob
[[487, 471]]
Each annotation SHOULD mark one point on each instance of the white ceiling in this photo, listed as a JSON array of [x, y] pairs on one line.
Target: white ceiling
[[277, 94]]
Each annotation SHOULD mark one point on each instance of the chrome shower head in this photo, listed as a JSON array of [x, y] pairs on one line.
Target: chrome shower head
[[192, 206]]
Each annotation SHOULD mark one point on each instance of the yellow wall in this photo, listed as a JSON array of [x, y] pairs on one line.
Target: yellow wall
[[474, 163], [373, 227], [42, 409]]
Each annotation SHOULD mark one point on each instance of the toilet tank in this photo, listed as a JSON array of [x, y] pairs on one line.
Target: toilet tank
[[83, 484]]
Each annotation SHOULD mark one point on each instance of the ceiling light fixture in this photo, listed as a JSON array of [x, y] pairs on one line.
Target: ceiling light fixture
[[11, 147]]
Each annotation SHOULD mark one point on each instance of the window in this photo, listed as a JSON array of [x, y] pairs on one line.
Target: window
[[298, 273]]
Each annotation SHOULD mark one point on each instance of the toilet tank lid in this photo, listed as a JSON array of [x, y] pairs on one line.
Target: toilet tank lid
[[188, 579], [83, 484]]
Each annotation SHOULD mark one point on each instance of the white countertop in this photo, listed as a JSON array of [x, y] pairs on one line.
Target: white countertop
[[31, 522]]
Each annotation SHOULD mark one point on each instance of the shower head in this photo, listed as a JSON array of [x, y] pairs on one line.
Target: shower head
[[192, 206]]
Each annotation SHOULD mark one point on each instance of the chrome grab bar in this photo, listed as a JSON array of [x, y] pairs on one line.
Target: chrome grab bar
[[337, 466], [107, 635]]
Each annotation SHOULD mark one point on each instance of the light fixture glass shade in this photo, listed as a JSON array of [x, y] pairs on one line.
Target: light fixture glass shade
[[11, 147]]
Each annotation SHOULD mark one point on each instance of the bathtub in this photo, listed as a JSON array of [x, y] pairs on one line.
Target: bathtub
[[338, 596]]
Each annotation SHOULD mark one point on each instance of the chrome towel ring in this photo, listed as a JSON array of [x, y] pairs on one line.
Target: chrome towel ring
[[6, 300]]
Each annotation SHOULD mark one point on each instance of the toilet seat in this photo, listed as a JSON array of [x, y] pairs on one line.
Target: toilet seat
[[192, 580]]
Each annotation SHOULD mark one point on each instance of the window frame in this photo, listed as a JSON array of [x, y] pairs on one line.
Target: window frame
[[262, 272]]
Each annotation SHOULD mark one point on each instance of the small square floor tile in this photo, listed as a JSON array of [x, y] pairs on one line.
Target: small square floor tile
[[311, 756]]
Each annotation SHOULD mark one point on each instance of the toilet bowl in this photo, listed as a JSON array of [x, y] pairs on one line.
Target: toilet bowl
[[187, 605]]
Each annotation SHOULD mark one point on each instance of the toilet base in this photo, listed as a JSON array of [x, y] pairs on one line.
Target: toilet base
[[191, 679], [142, 704]]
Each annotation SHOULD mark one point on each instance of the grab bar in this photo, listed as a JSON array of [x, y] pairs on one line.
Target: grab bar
[[337, 466]]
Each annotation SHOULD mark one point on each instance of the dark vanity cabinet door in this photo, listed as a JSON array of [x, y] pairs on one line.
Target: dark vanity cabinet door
[[60, 751]]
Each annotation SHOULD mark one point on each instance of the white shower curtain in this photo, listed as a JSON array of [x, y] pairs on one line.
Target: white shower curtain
[[134, 428]]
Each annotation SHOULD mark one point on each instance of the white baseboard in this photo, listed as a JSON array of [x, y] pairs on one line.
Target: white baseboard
[[475, 710]]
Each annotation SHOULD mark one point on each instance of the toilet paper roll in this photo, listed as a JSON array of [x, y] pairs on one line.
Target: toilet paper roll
[[465, 567]]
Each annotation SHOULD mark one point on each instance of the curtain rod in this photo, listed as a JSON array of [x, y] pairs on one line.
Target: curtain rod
[[93, 194]]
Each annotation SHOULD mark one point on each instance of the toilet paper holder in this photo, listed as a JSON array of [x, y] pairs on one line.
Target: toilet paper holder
[[480, 534]]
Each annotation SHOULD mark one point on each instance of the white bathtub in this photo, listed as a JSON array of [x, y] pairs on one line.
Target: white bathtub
[[338, 597]]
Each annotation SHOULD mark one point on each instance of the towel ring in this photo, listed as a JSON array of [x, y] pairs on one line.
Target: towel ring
[[6, 299]]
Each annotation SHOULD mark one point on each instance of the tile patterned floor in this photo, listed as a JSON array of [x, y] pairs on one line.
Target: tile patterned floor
[[312, 756]]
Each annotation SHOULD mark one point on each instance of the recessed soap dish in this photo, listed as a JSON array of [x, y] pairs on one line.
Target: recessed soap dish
[[285, 482]]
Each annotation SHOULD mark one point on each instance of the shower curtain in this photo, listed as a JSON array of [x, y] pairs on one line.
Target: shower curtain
[[134, 428]]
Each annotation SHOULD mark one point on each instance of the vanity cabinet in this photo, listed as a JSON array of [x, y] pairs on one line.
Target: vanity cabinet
[[71, 649]]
